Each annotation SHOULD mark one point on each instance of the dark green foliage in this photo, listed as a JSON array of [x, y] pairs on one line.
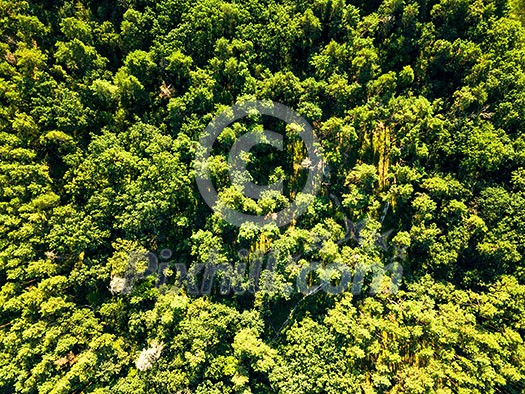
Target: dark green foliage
[[419, 106]]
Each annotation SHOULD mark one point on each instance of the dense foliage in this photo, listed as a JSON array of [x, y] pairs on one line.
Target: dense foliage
[[420, 109]]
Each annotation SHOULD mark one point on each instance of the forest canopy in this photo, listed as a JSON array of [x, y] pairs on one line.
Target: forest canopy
[[419, 110]]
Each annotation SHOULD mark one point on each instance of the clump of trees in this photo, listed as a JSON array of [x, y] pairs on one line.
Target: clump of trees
[[419, 106]]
